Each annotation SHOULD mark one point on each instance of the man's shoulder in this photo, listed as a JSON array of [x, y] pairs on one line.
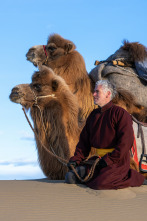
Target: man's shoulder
[[119, 110], [93, 113], [116, 107]]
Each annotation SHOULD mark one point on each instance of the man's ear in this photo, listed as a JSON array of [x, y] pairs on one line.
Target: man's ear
[[108, 94]]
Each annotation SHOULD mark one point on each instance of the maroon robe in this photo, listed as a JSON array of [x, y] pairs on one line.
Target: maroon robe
[[109, 127]]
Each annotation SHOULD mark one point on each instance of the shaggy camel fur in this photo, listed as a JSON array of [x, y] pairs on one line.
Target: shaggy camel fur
[[127, 101], [60, 55], [59, 116], [135, 51], [131, 52]]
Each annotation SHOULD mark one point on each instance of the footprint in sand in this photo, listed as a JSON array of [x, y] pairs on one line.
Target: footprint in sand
[[127, 193], [113, 194]]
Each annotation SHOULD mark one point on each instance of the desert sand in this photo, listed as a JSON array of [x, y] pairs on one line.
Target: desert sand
[[55, 200]]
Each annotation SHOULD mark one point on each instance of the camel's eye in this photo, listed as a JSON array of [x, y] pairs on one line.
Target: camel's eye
[[51, 47], [54, 85], [37, 87]]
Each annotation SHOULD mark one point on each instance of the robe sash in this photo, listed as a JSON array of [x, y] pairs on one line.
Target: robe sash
[[102, 152]]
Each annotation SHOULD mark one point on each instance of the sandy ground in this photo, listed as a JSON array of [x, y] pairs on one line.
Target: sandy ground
[[54, 200]]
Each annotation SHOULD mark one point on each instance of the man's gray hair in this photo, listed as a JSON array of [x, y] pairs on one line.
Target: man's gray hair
[[107, 86]]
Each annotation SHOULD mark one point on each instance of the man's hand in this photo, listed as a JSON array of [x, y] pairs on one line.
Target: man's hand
[[73, 163]]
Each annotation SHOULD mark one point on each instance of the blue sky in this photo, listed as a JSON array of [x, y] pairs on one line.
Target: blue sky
[[96, 27]]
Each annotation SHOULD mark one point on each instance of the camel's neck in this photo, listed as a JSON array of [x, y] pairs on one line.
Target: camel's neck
[[54, 139], [80, 87], [50, 129]]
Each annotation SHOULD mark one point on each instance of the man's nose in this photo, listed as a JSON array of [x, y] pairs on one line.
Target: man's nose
[[94, 93]]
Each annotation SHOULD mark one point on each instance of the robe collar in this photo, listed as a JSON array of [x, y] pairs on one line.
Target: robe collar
[[105, 107]]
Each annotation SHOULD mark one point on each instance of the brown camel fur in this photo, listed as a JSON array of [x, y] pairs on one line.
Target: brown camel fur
[[60, 117], [130, 53], [135, 51], [127, 101], [60, 55], [59, 114]]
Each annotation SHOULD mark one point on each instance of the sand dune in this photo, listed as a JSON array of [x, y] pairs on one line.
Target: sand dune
[[54, 200]]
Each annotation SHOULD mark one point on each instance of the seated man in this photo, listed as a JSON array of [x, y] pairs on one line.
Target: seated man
[[109, 130]]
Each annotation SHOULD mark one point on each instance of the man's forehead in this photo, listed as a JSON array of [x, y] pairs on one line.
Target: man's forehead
[[98, 87]]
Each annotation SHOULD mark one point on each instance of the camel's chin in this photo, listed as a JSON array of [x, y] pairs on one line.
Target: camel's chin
[[30, 57], [15, 97], [35, 64], [33, 58], [15, 100], [18, 101]]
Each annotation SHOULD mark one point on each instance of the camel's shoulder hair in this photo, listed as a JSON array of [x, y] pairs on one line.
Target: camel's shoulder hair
[[126, 100], [137, 51], [125, 97]]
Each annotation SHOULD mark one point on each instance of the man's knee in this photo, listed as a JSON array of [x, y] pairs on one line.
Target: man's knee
[[70, 177]]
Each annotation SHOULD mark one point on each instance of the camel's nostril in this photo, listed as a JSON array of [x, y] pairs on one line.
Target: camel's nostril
[[33, 55], [15, 94], [15, 90], [30, 54]]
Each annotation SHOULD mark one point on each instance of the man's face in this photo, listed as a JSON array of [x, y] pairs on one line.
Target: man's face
[[100, 97]]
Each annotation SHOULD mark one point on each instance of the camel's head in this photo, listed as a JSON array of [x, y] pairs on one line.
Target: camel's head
[[22, 94], [48, 54], [131, 52], [46, 88]]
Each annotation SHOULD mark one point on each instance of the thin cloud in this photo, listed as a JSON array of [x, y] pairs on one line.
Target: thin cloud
[[25, 135], [17, 163], [27, 138], [20, 169]]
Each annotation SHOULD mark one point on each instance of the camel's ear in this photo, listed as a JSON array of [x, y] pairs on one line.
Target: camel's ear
[[54, 85], [69, 47]]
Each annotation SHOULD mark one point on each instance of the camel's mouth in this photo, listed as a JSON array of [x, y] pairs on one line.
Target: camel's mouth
[[34, 55], [34, 63], [15, 95], [31, 59], [31, 56]]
